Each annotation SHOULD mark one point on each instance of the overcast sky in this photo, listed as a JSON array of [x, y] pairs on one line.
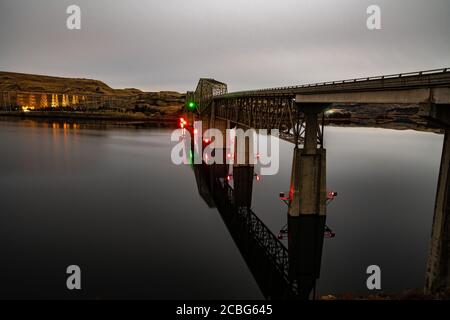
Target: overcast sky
[[168, 44]]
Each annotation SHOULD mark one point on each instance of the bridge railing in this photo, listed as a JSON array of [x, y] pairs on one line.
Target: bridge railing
[[389, 76], [348, 81]]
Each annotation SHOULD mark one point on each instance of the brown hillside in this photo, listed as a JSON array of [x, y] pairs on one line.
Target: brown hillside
[[10, 81]]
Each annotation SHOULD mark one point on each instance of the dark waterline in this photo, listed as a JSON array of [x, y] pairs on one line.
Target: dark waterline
[[112, 202]]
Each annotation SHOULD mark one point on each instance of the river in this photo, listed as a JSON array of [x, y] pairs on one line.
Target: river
[[110, 200]]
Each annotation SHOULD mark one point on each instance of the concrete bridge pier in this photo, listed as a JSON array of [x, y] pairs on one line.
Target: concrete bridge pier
[[243, 173], [307, 207], [438, 266], [220, 169]]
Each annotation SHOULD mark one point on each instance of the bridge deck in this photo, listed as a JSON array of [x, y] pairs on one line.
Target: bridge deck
[[412, 80]]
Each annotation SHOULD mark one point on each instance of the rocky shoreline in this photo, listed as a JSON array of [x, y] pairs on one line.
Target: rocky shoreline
[[411, 294]]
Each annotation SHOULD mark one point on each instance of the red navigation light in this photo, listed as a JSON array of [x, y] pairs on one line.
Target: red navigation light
[[331, 195], [229, 155], [284, 197], [183, 123], [228, 178], [206, 140]]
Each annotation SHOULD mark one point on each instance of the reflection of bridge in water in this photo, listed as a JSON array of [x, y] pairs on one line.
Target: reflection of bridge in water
[[297, 112], [265, 255]]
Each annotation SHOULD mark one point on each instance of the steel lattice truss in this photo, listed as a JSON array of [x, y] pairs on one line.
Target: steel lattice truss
[[205, 91], [266, 113]]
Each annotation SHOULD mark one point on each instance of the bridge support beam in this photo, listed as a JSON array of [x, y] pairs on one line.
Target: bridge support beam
[[213, 114], [307, 207], [438, 266], [220, 170], [308, 178]]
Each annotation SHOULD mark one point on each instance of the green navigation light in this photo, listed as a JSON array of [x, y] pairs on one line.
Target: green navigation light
[[192, 105]]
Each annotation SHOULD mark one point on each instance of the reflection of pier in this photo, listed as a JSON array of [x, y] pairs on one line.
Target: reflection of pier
[[296, 112]]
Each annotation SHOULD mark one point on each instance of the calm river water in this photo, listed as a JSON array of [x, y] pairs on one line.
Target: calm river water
[[111, 201]]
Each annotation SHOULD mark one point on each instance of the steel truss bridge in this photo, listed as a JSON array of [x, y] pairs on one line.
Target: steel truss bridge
[[277, 108], [298, 113]]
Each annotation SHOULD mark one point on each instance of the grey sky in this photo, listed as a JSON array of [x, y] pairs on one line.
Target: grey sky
[[169, 44]]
